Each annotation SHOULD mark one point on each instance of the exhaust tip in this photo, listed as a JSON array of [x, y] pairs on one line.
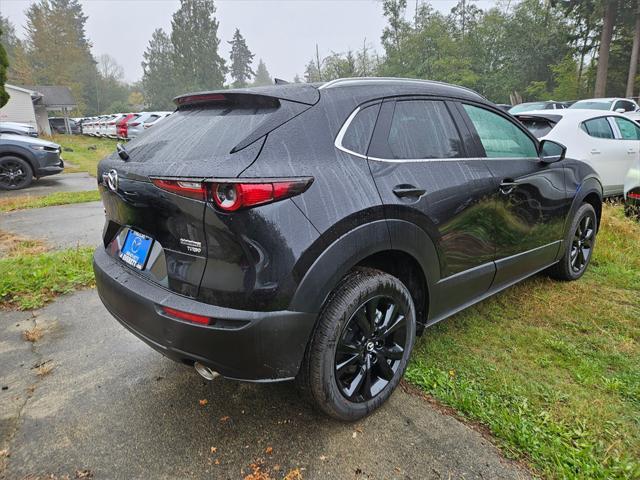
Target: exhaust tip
[[205, 372]]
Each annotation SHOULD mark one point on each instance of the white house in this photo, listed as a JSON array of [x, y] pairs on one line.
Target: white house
[[32, 104]]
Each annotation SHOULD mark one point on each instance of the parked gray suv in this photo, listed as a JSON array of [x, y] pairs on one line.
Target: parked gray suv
[[24, 158]]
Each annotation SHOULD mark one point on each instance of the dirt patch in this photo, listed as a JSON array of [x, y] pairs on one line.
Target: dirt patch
[[33, 334], [12, 245]]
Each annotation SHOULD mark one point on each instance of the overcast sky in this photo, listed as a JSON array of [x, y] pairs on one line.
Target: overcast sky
[[281, 32]]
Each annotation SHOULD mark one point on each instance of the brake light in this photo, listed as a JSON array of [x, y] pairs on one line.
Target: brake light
[[203, 98], [635, 196], [232, 195], [189, 317], [196, 190]]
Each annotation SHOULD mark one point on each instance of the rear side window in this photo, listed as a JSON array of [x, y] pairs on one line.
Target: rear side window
[[500, 137], [423, 129], [198, 133], [598, 127], [628, 129], [539, 127], [358, 134]]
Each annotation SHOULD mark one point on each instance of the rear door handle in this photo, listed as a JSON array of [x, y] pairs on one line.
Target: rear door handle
[[404, 191], [631, 150], [595, 151], [507, 187]]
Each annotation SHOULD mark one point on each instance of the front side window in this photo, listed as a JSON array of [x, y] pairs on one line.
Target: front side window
[[422, 129], [500, 137], [598, 127], [628, 129], [358, 134]]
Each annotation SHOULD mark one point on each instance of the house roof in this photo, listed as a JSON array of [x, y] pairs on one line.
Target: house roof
[[53, 95]]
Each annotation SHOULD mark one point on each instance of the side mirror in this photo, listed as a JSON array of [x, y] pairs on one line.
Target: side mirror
[[551, 152], [620, 110]]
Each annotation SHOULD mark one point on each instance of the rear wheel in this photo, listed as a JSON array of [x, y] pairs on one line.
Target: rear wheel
[[578, 246], [15, 173], [361, 346]]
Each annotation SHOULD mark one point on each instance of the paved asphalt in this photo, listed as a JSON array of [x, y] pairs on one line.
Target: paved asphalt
[[114, 406], [61, 227], [64, 182]]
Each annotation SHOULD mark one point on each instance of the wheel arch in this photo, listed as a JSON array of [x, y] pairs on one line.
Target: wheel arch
[[396, 247], [590, 192], [22, 154]]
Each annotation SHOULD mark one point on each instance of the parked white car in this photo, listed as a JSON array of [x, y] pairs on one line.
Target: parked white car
[[619, 105], [136, 126], [606, 140]]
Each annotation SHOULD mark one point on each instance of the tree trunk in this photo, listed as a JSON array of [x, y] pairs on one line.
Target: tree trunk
[[635, 50], [605, 44]]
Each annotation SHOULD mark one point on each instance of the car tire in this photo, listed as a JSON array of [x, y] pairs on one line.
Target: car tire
[[368, 319], [15, 173], [578, 245]]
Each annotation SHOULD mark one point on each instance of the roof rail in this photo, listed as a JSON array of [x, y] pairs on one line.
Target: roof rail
[[356, 80]]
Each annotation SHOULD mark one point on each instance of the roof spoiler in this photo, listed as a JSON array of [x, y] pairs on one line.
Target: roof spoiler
[[298, 93]]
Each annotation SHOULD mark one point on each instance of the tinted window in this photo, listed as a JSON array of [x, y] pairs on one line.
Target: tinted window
[[628, 129], [197, 133], [598, 127], [358, 135], [538, 126], [423, 129], [628, 106], [500, 137]]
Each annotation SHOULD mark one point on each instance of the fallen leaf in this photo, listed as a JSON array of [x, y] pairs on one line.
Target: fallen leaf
[[354, 434], [294, 474], [358, 429], [217, 462], [4, 453], [276, 467], [203, 402], [214, 449], [269, 450], [84, 473], [323, 458]]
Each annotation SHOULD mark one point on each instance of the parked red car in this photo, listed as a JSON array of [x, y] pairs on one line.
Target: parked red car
[[121, 126]]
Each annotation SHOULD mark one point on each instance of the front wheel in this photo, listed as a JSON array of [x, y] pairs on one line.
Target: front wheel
[[15, 173], [361, 346], [578, 246]]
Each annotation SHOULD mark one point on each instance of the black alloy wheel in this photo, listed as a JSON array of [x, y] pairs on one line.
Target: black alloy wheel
[[582, 244], [370, 349], [15, 173]]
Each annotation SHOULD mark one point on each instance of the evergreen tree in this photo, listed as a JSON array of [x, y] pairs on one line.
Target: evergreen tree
[[262, 77], [58, 50], [241, 59], [4, 64], [158, 81], [194, 36]]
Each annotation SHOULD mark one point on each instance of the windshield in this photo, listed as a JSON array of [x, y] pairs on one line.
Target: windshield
[[593, 104], [527, 107]]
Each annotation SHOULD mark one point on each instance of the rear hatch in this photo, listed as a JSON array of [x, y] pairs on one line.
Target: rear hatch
[[151, 189]]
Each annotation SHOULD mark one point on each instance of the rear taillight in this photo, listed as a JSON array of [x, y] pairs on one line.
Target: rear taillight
[[111, 123], [134, 124], [232, 195], [196, 190], [635, 196], [189, 317]]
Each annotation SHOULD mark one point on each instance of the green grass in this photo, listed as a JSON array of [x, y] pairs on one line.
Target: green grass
[[552, 368], [59, 198], [29, 281], [84, 159]]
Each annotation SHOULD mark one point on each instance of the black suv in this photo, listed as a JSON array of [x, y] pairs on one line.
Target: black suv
[[311, 231]]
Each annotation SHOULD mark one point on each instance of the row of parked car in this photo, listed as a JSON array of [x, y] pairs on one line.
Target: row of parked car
[[625, 106], [123, 126]]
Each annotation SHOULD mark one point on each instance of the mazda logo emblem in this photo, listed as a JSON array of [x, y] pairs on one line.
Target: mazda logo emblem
[[111, 179]]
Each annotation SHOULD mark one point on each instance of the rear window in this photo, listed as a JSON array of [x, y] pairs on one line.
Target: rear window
[[358, 135], [198, 133], [538, 126], [598, 127]]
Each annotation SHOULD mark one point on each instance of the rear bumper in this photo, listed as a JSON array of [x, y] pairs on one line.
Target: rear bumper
[[244, 345]]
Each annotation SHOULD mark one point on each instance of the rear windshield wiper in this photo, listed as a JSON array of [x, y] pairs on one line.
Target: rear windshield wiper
[[122, 152]]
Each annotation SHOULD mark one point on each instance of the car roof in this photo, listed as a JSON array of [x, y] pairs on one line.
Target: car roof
[[362, 87], [576, 114]]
